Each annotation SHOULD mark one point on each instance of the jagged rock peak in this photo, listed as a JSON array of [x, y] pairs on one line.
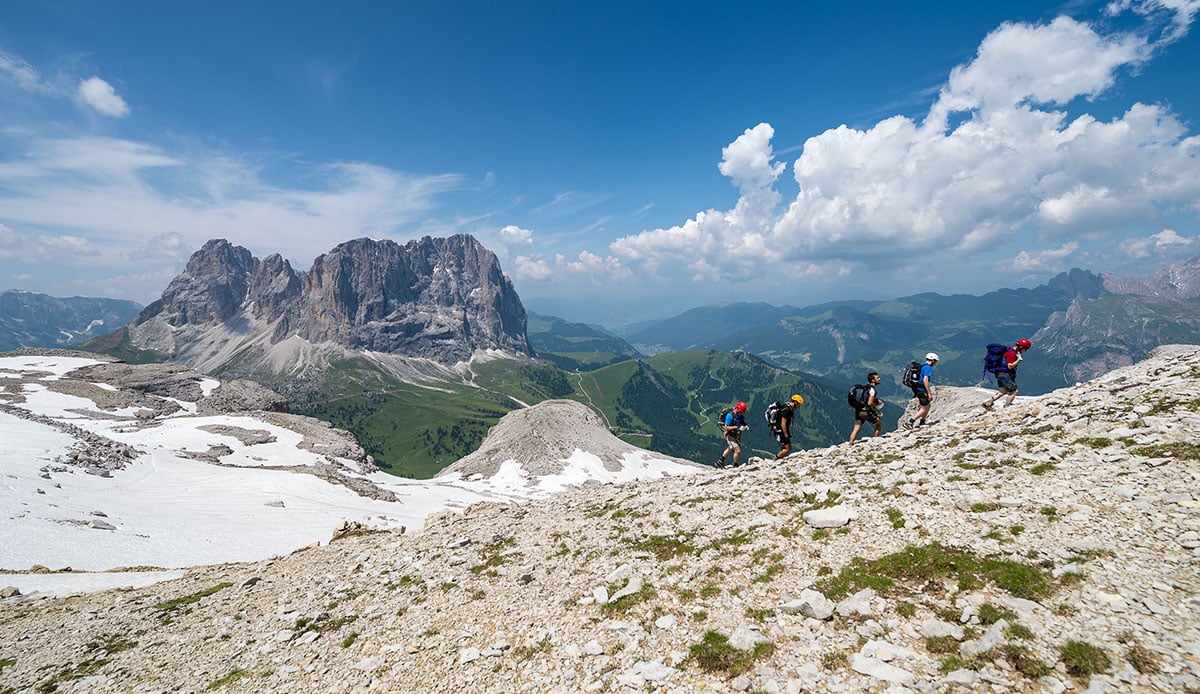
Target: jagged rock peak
[[1077, 283], [436, 298], [441, 299], [1174, 281], [211, 289]]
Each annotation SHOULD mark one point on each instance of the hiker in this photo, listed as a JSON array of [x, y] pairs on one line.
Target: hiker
[[734, 423], [866, 407], [781, 423], [923, 391], [1006, 377]]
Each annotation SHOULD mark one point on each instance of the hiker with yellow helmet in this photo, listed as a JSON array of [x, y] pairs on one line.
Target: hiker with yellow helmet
[[779, 417]]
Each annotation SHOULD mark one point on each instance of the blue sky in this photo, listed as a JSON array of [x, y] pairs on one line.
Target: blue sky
[[624, 159]]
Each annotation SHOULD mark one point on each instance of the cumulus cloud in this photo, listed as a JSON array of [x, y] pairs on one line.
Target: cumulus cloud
[[102, 98], [534, 269], [1041, 260], [997, 154], [1155, 244], [513, 235]]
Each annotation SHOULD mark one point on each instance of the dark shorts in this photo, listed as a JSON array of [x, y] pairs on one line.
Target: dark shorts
[[1006, 381], [783, 437], [867, 416], [921, 396]]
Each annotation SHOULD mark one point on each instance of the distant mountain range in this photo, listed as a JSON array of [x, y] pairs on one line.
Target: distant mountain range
[[420, 348], [29, 319], [1081, 325]]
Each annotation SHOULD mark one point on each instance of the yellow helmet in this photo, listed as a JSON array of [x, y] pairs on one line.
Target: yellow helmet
[[799, 400]]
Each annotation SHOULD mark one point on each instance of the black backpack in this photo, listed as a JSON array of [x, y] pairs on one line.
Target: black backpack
[[773, 412], [912, 376], [857, 397], [721, 418]]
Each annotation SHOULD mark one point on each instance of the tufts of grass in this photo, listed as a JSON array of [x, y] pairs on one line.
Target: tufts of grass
[[1142, 659], [990, 614], [715, 654], [232, 676], [835, 660], [895, 517], [350, 639], [1024, 661], [624, 604], [666, 547], [1095, 442], [941, 645], [906, 609], [1180, 450], [169, 605], [1083, 659], [1041, 468], [918, 565], [984, 506]]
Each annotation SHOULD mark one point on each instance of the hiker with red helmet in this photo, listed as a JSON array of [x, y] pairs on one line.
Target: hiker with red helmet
[[733, 423], [1006, 372]]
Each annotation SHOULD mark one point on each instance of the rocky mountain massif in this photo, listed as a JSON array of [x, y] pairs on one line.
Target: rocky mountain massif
[[1051, 546], [436, 299], [29, 319]]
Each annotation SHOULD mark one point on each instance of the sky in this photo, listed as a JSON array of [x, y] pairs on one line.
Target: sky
[[624, 159]]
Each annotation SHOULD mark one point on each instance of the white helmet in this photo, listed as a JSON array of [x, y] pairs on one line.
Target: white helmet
[[932, 356]]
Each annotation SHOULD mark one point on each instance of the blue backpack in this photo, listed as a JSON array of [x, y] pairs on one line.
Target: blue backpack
[[993, 361]]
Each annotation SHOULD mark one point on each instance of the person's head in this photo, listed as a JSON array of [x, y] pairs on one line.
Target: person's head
[[740, 408], [932, 357], [796, 401], [873, 378], [1023, 344]]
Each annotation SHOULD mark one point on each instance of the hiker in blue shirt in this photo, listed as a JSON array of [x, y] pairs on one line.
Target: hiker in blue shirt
[[923, 391], [734, 425]]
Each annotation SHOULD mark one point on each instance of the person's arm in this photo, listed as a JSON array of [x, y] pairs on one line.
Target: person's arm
[[1016, 359]]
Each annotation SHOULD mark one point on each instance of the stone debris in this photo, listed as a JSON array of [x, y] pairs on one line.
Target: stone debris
[[719, 582]]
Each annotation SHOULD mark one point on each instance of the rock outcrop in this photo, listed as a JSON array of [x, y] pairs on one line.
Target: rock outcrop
[[1051, 546], [437, 299]]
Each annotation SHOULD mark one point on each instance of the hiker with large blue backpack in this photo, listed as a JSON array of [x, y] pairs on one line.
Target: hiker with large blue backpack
[[1001, 362]]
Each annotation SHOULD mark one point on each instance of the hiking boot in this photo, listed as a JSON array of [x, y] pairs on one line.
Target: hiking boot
[[988, 404], [908, 424], [720, 464]]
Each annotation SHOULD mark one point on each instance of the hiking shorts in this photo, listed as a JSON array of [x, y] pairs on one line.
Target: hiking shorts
[[1006, 382], [734, 441], [782, 437], [921, 396], [867, 416]]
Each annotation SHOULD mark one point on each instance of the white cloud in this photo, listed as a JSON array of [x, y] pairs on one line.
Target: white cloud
[[23, 74], [102, 98], [8, 242], [513, 235], [534, 269], [133, 199], [1041, 260], [1155, 244], [996, 155]]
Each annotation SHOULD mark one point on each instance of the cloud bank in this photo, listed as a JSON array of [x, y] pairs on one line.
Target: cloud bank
[[996, 163]]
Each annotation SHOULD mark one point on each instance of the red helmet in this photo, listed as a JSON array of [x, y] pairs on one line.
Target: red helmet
[[1024, 344], [740, 407]]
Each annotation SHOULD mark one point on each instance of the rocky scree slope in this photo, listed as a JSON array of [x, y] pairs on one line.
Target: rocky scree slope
[[1050, 546]]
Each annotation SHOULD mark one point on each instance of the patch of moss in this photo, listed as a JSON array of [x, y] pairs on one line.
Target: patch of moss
[[715, 654], [922, 564], [1083, 659]]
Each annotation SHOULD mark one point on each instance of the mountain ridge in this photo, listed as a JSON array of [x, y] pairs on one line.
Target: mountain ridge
[[1048, 546]]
